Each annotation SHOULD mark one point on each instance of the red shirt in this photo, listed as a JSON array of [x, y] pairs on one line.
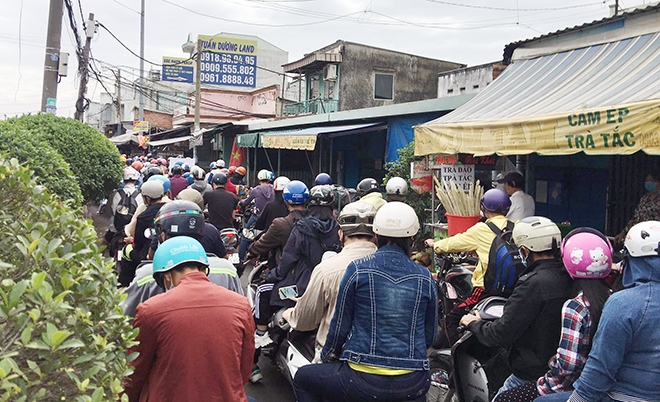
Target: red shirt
[[196, 344], [230, 187]]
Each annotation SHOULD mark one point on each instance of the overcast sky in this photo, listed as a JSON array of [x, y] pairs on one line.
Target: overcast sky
[[465, 31]]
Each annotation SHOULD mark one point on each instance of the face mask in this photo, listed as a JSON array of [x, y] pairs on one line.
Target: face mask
[[171, 284], [523, 259], [651, 186]]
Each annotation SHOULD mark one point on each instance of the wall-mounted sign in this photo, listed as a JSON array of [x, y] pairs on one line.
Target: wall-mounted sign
[[140, 125], [178, 69], [228, 61], [461, 174]]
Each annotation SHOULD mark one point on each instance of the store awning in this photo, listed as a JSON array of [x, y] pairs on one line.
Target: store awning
[[124, 138], [305, 139], [249, 140], [169, 141], [602, 99]]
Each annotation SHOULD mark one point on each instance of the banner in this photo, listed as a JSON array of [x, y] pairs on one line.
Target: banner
[[237, 155], [421, 177], [305, 142], [615, 130], [228, 61]]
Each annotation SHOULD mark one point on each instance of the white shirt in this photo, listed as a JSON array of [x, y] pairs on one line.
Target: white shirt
[[522, 206]]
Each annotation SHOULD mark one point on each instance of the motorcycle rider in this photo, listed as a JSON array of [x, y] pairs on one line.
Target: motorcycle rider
[[199, 183], [369, 192], [587, 257], [341, 194], [495, 204], [396, 189], [221, 203], [261, 195], [178, 182], [276, 208], [195, 340], [317, 305], [385, 319], [123, 205], [530, 325]]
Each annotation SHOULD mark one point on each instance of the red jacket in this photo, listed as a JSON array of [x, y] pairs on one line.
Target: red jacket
[[196, 344], [230, 187]]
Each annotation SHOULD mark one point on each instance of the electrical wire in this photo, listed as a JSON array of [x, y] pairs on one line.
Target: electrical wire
[[20, 51], [449, 3]]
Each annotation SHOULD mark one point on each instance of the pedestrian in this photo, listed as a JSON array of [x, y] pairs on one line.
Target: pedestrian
[[648, 208], [522, 204]]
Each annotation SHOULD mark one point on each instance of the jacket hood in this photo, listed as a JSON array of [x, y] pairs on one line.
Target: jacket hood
[[311, 225], [641, 270]]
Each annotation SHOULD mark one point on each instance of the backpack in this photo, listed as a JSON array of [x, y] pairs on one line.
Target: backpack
[[125, 209], [504, 262]]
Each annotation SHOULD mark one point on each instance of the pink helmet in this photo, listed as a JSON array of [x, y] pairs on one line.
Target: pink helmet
[[587, 254]]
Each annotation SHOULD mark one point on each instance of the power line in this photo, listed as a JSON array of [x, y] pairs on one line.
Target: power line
[[449, 3]]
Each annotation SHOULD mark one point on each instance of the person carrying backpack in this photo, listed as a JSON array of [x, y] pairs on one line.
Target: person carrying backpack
[[123, 205], [495, 204], [530, 325]]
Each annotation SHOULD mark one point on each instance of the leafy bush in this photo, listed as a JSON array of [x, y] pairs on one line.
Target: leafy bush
[[94, 160], [62, 333], [420, 202], [51, 169]]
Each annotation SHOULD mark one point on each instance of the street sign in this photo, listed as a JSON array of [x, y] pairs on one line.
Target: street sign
[[228, 61], [178, 69], [51, 105], [140, 125]]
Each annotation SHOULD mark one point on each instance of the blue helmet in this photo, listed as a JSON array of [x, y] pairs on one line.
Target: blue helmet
[[176, 251], [167, 185], [188, 177], [295, 193], [496, 200], [322, 179]]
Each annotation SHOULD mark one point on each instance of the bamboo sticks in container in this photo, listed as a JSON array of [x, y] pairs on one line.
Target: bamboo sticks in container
[[456, 201]]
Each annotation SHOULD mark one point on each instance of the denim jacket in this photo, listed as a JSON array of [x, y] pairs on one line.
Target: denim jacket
[[386, 313], [624, 362]]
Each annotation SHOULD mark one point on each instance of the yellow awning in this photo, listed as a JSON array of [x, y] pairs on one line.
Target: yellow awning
[[614, 130]]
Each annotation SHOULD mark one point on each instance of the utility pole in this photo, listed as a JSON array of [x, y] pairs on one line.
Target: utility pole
[[51, 63], [616, 7], [83, 68], [142, 62], [119, 130], [198, 94]]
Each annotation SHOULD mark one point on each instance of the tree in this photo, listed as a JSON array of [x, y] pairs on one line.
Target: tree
[[62, 333], [94, 160]]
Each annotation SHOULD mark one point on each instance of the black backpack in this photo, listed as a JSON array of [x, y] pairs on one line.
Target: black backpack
[[504, 262], [125, 209]]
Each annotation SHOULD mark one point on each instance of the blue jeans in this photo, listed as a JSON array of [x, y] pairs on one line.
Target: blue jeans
[[510, 383], [558, 397], [245, 243], [339, 382]]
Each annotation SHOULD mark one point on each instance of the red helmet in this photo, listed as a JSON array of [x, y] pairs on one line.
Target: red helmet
[[154, 161], [232, 169], [137, 165]]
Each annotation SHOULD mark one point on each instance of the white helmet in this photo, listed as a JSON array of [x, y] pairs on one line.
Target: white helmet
[[537, 234], [263, 175], [280, 183], [396, 186], [131, 174], [643, 239], [219, 164], [396, 219], [357, 218]]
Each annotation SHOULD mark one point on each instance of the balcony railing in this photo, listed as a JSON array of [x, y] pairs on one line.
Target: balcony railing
[[311, 106]]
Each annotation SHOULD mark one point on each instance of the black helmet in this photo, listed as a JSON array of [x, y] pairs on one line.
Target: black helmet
[[322, 196], [177, 169], [180, 218], [367, 186], [152, 171], [219, 179], [322, 178]]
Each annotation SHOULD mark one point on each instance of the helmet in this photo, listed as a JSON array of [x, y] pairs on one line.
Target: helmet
[[225, 171], [367, 186], [212, 165], [322, 178], [643, 239], [131, 174], [180, 218], [396, 219], [496, 200], [123, 158], [536, 233], [154, 161], [280, 183], [163, 161], [180, 163], [396, 186], [241, 170], [186, 167], [189, 194], [263, 175], [220, 179], [232, 169], [152, 189], [188, 177], [295, 193], [586, 253], [321, 196], [177, 169], [137, 165], [198, 173], [220, 163], [357, 219], [271, 176], [167, 185], [176, 251], [129, 161], [152, 171]]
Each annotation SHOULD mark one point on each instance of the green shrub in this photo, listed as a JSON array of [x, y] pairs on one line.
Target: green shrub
[[94, 160], [49, 166], [62, 333]]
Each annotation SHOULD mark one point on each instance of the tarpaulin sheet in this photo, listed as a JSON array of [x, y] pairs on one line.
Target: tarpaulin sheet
[[400, 133]]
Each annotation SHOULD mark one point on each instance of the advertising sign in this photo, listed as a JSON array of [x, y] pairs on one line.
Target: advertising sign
[[178, 69], [140, 125], [462, 175], [228, 61], [421, 177]]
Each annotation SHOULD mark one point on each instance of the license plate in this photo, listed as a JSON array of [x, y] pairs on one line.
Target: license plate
[[233, 258]]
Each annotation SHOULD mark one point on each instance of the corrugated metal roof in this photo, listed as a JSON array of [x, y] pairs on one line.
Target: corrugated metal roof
[[601, 75]]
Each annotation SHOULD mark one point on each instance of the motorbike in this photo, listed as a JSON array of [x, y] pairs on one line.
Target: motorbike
[[231, 239], [290, 349], [470, 371], [454, 279]]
